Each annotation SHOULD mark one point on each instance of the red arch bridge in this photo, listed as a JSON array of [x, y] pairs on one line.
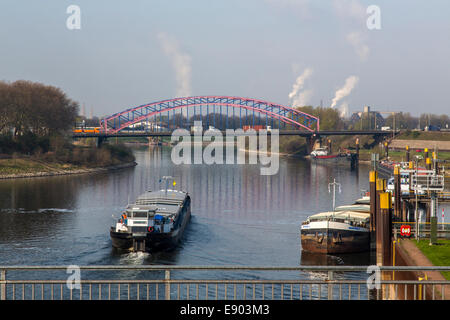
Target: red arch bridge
[[221, 112], [161, 118]]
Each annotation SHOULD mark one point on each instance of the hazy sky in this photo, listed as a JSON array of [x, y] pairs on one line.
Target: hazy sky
[[128, 53]]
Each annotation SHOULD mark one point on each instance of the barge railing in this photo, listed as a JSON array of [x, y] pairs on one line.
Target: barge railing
[[155, 282]]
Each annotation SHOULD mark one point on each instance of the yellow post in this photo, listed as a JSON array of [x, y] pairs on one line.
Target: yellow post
[[373, 199], [407, 154], [384, 229], [393, 258], [372, 176], [381, 184], [420, 286], [428, 163]]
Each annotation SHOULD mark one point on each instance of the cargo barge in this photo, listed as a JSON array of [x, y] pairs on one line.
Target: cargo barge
[[155, 221], [346, 229], [322, 155], [336, 232]]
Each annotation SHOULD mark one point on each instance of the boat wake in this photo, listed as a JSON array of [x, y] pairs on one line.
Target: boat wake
[[134, 258]]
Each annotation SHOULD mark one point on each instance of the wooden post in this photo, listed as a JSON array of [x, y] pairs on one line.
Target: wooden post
[[373, 198], [380, 189], [411, 166], [428, 163], [397, 193], [357, 147], [407, 153], [386, 150], [426, 153], [384, 230]]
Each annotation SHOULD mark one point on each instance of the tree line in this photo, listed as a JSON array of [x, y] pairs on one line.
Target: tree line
[[31, 115], [27, 106], [330, 120]]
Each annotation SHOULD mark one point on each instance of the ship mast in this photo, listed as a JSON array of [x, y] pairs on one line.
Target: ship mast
[[334, 184]]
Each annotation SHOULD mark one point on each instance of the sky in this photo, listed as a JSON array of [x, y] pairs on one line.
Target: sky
[[291, 52]]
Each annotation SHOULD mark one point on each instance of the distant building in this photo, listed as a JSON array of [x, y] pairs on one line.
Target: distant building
[[367, 119]]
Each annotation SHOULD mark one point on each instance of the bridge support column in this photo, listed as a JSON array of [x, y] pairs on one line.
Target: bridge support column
[[100, 140]]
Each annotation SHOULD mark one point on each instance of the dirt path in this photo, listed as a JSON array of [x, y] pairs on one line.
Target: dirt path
[[420, 144]]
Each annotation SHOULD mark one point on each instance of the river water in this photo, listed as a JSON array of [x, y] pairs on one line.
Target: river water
[[239, 217]]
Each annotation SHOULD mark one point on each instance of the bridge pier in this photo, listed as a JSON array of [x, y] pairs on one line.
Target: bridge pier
[[100, 140]]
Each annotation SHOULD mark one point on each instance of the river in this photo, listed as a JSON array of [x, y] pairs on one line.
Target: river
[[239, 217]]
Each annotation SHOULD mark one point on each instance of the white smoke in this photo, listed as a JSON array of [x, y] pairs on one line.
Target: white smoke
[[350, 83], [344, 110], [181, 63], [358, 42], [352, 9], [296, 97]]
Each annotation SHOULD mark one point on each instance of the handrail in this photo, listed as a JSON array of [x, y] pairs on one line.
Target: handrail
[[227, 268]]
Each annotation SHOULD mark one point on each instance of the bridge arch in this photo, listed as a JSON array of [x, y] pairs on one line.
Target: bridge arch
[[293, 117]]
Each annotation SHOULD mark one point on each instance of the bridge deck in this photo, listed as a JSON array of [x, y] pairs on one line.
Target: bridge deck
[[281, 133]]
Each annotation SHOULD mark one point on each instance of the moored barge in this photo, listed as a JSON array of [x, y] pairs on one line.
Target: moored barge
[[336, 232], [346, 229]]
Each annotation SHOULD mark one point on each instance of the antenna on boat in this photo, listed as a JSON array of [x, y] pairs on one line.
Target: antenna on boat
[[334, 184]]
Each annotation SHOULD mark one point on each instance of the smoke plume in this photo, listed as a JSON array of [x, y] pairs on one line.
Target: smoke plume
[[296, 97], [357, 40], [350, 83], [181, 63], [344, 110]]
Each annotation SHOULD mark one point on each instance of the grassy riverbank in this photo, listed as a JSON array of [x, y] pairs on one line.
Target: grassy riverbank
[[75, 159], [439, 254]]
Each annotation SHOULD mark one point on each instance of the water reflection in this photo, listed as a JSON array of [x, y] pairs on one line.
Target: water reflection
[[238, 216], [349, 259]]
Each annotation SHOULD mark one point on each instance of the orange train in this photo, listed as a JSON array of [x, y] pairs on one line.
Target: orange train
[[87, 130]]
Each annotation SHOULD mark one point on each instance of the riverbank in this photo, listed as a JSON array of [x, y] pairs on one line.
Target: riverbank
[[408, 253], [29, 168]]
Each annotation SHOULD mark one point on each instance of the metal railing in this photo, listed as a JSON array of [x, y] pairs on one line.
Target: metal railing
[[201, 282], [443, 229]]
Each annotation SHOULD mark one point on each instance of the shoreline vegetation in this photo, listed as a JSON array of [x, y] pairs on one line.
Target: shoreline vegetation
[[71, 159], [65, 170], [36, 123]]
